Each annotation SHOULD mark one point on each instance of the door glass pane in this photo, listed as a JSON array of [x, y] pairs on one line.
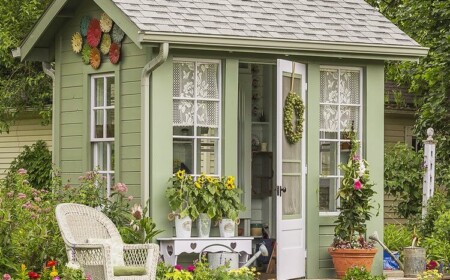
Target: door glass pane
[[207, 157], [183, 79], [327, 190], [183, 155], [291, 162], [101, 155], [328, 158]]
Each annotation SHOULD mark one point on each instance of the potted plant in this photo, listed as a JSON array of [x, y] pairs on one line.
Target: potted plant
[[206, 188], [228, 205], [181, 194], [355, 195]]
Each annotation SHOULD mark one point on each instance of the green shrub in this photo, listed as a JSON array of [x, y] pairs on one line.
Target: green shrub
[[360, 273], [29, 233], [37, 160], [436, 205], [438, 244], [403, 172], [397, 237]]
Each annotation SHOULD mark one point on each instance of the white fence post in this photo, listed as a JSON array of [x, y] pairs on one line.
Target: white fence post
[[428, 177]]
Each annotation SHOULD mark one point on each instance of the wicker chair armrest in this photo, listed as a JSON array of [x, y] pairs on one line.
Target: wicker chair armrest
[[142, 255], [146, 246]]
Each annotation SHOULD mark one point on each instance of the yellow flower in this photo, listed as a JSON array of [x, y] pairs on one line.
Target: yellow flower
[[210, 179], [230, 179], [197, 185], [230, 186], [180, 174], [23, 267], [54, 273]]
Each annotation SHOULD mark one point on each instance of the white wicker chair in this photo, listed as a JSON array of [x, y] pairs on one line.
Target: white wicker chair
[[78, 223]]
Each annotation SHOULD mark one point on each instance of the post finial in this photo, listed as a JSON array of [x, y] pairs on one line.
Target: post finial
[[430, 133]]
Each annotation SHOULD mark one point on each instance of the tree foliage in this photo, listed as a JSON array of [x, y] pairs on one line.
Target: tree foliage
[[427, 22], [23, 85]]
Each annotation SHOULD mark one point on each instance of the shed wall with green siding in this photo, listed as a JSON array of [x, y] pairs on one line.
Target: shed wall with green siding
[[72, 101]]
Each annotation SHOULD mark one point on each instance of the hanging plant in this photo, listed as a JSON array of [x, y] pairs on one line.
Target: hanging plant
[[105, 23], [84, 24], [117, 34], [77, 42], [95, 58], [105, 44], [114, 53], [293, 106], [94, 33], [86, 54]]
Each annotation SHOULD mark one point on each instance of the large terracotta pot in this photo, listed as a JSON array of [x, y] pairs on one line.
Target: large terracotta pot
[[344, 259]]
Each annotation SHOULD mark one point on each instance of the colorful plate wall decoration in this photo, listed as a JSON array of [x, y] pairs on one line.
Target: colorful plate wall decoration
[[97, 38]]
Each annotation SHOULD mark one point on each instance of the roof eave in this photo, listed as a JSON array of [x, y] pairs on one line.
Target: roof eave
[[28, 49], [288, 47], [39, 28]]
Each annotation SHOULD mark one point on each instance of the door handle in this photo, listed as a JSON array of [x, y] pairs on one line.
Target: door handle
[[280, 189]]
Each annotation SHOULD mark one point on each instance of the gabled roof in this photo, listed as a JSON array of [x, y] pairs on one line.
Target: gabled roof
[[345, 21], [335, 27]]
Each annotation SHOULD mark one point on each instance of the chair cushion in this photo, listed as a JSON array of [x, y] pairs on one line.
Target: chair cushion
[[129, 270], [116, 249]]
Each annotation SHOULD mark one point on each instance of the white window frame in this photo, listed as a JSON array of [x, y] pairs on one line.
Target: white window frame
[[108, 173], [339, 175], [195, 137]]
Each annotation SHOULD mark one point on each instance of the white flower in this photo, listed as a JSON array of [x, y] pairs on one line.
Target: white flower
[[73, 265], [136, 211], [362, 168]]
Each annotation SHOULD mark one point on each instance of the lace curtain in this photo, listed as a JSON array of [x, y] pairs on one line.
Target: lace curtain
[[340, 99], [196, 94]]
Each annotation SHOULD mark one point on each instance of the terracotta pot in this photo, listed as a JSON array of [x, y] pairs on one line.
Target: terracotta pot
[[344, 259]]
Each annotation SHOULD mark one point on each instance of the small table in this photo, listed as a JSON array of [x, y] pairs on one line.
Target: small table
[[171, 248]]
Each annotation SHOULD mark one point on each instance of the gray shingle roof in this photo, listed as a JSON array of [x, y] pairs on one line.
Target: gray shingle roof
[[342, 21]]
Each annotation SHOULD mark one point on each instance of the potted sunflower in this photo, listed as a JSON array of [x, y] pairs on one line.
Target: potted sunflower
[[181, 193], [356, 203], [228, 200]]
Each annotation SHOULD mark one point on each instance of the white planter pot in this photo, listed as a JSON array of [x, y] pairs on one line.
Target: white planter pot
[[227, 228], [183, 227], [203, 225]]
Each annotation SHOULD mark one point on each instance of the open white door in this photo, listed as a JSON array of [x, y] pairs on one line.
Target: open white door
[[290, 162]]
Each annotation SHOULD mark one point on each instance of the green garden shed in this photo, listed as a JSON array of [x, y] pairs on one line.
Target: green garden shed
[[142, 87]]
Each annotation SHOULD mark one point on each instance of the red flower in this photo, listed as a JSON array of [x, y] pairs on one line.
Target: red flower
[[51, 263], [358, 184], [94, 33], [114, 53], [33, 275], [432, 265]]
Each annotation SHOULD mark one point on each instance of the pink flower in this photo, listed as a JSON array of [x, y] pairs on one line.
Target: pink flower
[[37, 199], [357, 184], [27, 205], [178, 267], [22, 171], [191, 268], [356, 158], [56, 278], [130, 198], [10, 194], [121, 188], [21, 196], [6, 276]]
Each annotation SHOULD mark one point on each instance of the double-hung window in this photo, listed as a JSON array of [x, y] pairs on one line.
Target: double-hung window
[[197, 102], [340, 113], [102, 127]]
